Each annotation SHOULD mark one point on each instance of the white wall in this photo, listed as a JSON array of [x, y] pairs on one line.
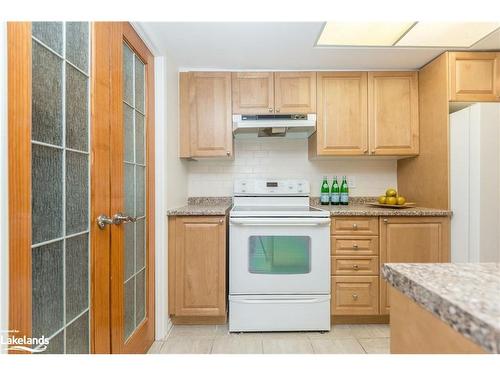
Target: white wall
[[286, 158], [171, 177], [4, 244]]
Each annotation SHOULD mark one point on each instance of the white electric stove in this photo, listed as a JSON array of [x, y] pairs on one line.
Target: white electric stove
[[279, 258]]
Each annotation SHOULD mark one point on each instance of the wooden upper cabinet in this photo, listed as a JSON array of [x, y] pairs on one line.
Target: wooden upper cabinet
[[412, 240], [342, 118], [279, 92], [295, 92], [253, 93], [393, 113], [205, 115], [474, 76], [200, 266]]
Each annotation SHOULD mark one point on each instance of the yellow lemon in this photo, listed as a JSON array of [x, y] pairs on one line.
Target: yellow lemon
[[391, 200], [391, 192], [401, 200], [382, 199]]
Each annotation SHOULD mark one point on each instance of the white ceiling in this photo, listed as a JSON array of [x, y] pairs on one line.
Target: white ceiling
[[277, 45]]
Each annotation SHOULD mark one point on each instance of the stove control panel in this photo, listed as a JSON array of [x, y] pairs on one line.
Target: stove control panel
[[271, 187]]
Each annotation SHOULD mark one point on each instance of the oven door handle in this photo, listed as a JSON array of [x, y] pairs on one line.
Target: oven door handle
[[279, 301], [292, 221]]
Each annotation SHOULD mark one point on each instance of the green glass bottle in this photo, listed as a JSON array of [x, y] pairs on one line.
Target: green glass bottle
[[325, 192], [335, 192], [344, 192]]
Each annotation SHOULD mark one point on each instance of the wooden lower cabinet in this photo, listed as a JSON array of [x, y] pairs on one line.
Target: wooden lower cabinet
[[361, 245], [413, 239], [355, 295], [197, 269]]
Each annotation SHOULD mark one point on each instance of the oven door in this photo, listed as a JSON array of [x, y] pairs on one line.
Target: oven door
[[279, 256]]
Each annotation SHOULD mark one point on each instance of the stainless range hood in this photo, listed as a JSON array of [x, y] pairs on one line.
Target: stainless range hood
[[290, 126]]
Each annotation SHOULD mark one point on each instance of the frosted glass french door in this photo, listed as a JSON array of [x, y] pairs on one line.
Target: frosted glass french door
[[81, 201], [60, 178], [132, 263]]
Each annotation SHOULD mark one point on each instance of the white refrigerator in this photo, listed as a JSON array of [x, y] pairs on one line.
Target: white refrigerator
[[475, 183]]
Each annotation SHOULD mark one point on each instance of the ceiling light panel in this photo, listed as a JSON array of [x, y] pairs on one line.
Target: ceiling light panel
[[362, 33], [446, 34]]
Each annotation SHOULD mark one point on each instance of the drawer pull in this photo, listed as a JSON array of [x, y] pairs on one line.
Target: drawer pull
[[355, 226], [355, 267], [355, 297], [355, 246]]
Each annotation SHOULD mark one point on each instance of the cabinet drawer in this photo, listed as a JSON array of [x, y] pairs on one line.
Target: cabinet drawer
[[357, 246], [357, 226], [354, 295], [353, 266]]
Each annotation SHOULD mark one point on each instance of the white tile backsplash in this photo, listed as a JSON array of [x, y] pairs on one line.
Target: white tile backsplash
[[286, 158]]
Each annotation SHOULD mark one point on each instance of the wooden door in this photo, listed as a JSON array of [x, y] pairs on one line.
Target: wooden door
[[253, 93], [411, 240], [200, 266], [474, 76], [342, 123], [206, 121], [295, 92], [66, 162], [132, 192], [393, 113]]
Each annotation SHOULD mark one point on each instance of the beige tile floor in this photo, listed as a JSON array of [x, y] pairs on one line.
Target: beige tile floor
[[216, 339]]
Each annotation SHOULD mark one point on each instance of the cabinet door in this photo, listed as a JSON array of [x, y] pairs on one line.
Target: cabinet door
[[393, 113], [206, 123], [474, 76], [295, 92], [411, 240], [200, 266], [253, 93], [342, 123]]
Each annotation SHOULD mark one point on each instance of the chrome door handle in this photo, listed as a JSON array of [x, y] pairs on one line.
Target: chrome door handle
[[120, 218], [103, 220]]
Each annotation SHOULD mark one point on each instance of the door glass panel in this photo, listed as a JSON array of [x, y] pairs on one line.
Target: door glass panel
[[76, 109], [46, 95], [47, 197], [76, 192], [77, 46], [134, 164], [60, 185], [279, 254]]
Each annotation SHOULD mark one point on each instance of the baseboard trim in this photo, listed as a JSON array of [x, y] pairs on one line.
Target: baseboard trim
[[360, 319], [198, 319]]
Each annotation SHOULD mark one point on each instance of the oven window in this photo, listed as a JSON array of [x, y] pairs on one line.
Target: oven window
[[279, 255]]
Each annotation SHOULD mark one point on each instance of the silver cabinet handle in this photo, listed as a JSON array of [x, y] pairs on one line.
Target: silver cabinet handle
[[270, 109], [103, 220], [120, 218]]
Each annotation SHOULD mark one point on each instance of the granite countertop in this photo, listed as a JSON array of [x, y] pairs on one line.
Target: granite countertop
[[203, 206], [357, 207], [465, 296], [361, 209]]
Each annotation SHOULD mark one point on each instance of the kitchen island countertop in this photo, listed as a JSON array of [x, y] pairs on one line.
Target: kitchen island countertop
[[465, 296]]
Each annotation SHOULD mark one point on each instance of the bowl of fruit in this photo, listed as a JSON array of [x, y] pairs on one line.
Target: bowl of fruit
[[391, 199]]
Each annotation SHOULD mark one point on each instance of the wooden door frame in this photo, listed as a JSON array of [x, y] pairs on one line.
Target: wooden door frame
[[144, 334], [19, 169]]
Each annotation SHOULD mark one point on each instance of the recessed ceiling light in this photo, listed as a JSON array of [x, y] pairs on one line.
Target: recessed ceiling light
[[362, 33], [447, 34]]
